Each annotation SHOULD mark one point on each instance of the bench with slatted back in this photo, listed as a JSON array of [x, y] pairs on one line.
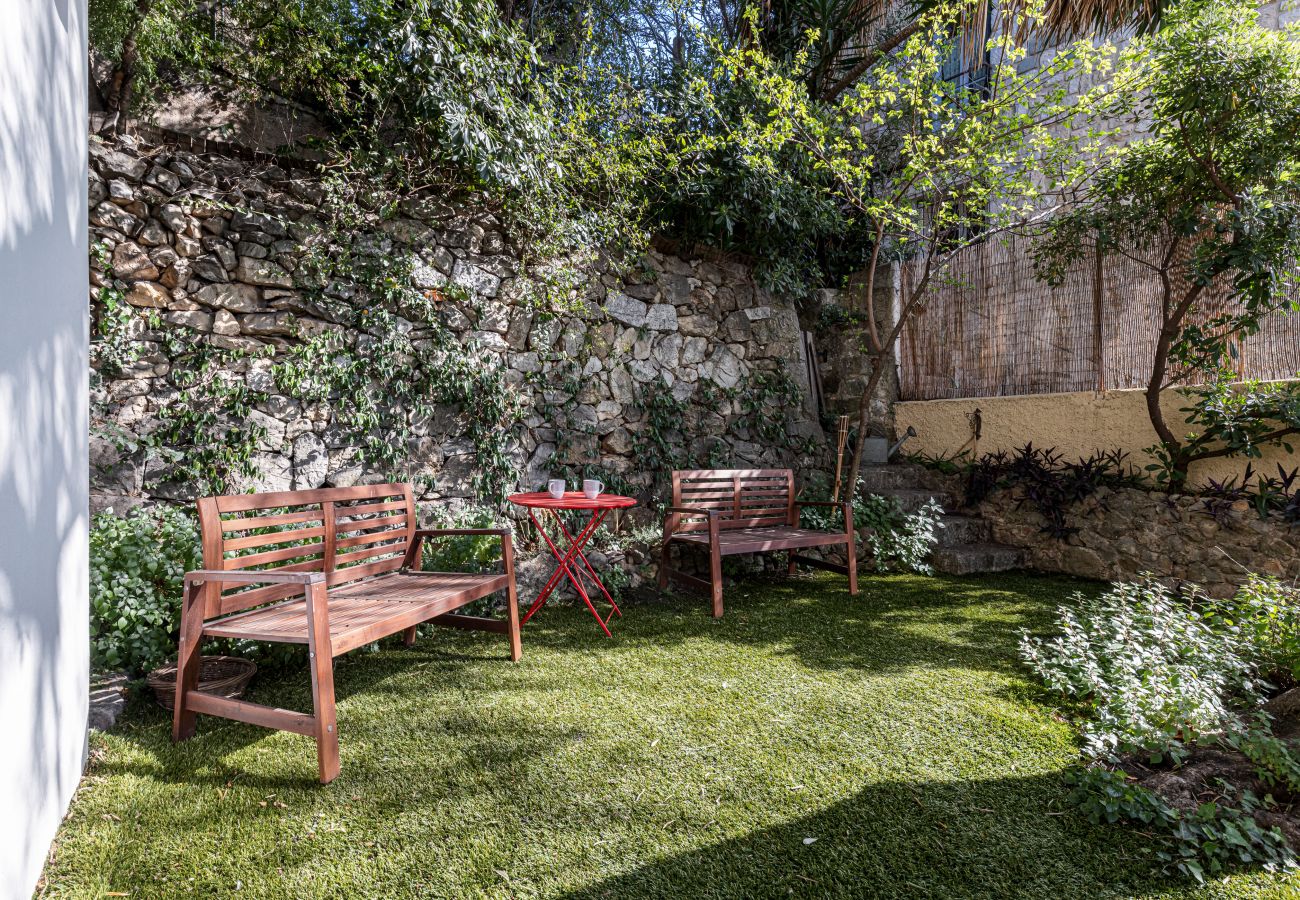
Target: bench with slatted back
[[736, 511], [335, 569]]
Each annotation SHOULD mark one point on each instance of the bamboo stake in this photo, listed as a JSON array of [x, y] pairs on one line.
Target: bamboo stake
[[842, 439]]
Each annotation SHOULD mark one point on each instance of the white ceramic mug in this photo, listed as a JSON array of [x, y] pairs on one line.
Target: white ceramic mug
[[555, 487], [591, 488]]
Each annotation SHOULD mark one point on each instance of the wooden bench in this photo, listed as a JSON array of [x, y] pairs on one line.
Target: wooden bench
[[735, 511], [335, 569]]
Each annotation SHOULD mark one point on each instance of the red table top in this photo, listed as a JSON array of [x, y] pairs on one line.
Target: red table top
[[571, 500]]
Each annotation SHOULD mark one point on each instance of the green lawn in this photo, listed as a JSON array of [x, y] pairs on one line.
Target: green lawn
[[809, 744]]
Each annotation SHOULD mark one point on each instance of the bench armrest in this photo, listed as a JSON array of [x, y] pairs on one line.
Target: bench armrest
[[254, 577], [415, 562]]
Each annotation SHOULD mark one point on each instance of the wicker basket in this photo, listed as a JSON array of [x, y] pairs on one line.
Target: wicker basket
[[224, 676]]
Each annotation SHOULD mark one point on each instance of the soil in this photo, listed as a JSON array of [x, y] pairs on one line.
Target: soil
[[1219, 773]]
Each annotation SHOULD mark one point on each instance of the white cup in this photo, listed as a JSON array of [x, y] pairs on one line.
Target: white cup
[[555, 487], [591, 488]]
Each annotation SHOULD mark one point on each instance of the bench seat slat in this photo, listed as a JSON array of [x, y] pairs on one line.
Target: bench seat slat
[[362, 612]]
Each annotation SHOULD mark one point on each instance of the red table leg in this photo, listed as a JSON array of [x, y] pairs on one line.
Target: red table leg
[[591, 572], [565, 569]]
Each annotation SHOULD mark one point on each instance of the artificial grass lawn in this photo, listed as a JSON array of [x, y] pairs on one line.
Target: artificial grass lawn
[[809, 744]]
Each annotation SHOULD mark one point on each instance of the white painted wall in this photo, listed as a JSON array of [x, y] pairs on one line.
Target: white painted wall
[[43, 427]]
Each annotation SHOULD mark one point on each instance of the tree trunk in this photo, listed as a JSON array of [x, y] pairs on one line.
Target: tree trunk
[[122, 82], [878, 363]]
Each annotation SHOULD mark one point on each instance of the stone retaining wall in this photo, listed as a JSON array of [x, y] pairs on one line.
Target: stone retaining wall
[[209, 249], [1123, 533]]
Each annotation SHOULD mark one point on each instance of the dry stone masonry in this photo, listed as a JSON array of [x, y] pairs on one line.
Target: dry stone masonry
[[208, 249]]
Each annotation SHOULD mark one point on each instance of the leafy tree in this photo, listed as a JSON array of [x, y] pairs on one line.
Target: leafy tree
[[1209, 202], [926, 166]]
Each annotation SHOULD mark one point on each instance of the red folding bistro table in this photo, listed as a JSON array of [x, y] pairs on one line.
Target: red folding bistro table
[[573, 562]]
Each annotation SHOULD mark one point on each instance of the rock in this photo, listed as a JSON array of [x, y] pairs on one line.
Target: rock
[[175, 275], [697, 326], [310, 461], [618, 442], [537, 472], [209, 268], [281, 323], [115, 162], [427, 277], [153, 235], [165, 181], [240, 344], [676, 288], [667, 350], [107, 697], [234, 297], [186, 246], [722, 368], [248, 220], [109, 215], [474, 279], [621, 386], [625, 309], [225, 323], [198, 321], [662, 317], [642, 370], [263, 272], [131, 263], [274, 473], [149, 294], [694, 350]]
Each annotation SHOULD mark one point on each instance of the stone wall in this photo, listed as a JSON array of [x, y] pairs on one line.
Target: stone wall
[[208, 248], [1125, 532], [841, 337]]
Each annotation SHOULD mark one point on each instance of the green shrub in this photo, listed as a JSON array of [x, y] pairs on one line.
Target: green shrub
[[899, 541], [463, 553], [1155, 671], [1204, 841], [1266, 613], [137, 563], [1158, 672]]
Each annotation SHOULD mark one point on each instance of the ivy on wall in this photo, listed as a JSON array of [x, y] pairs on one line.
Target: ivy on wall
[[387, 374]]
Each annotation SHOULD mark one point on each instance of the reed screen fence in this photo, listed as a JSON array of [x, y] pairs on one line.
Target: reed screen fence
[[992, 329]]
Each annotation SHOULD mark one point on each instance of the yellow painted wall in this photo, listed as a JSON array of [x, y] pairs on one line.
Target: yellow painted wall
[[1076, 424]]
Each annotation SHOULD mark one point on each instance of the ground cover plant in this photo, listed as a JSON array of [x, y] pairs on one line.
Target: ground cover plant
[[1053, 484], [1182, 733], [809, 744]]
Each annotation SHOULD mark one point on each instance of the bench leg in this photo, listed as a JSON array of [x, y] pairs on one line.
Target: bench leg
[[793, 564], [187, 662], [408, 636], [662, 578], [512, 622], [512, 597], [852, 550], [322, 685]]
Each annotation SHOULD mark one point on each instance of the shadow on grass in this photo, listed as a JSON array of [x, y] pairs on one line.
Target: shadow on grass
[[894, 624], [364, 675], [969, 839]]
